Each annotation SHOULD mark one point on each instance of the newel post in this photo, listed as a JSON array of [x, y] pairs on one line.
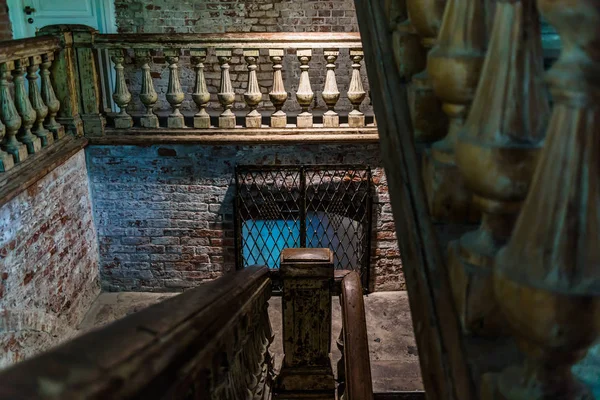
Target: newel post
[[307, 276], [64, 76], [89, 78]]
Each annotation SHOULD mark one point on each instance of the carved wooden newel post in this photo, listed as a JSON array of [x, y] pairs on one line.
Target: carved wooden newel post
[[201, 96], [148, 95], [331, 94], [278, 95], [253, 96], [226, 94], [304, 94], [547, 279], [307, 277]]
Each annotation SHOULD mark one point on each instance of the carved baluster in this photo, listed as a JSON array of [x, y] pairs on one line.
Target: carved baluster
[[50, 99], [253, 96], [356, 92], [148, 95], [454, 66], [546, 279], [121, 94], [7, 160], [25, 109], [331, 94], [175, 95], [409, 53], [226, 94], [37, 103], [201, 96], [10, 116], [304, 95], [278, 95], [429, 122], [496, 153]]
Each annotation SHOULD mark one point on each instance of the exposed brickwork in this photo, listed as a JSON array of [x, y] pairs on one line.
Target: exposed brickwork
[[165, 213], [5, 25], [48, 262], [215, 16]]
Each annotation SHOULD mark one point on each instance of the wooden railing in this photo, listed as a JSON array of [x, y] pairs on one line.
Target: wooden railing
[[495, 189], [211, 342], [354, 368]]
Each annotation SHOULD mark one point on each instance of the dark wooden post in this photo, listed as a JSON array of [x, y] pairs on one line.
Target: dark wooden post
[[64, 76], [307, 280]]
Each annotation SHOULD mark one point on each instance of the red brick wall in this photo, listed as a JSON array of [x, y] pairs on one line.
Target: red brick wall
[[5, 27], [48, 262]]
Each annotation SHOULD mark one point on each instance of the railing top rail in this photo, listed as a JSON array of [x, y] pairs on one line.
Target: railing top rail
[[11, 50], [356, 347], [132, 354], [229, 40]]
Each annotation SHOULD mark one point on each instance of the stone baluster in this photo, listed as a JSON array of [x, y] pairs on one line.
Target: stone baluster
[[278, 95], [121, 94], [201, 96], [35, 97], [10, 116], [226, 94], [409, 53], [175, 95], [50, 99], [25, 109], [454, 66], [7, 160], [331, 94], [496, 153], [547, 277], [429, 122], [148, 95], [253, 96], [356, 92], [304, 95]]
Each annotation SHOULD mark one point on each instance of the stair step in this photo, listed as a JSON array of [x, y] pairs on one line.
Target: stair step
[[399, 396]]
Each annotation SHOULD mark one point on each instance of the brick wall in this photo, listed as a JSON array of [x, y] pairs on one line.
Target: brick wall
[[216, 16], [5, 26], [165, 213], [48, 262]]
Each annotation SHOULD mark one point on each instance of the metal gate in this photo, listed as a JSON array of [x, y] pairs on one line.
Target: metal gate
[[304, 206]]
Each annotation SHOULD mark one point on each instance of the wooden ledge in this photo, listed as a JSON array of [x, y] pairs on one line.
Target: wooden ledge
[[215, 136], [36, 166]]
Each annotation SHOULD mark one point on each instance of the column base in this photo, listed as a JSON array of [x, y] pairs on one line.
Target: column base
[[149, 121], [473, 292], [93, 124], [448, 199], [33, 144], [123, 122], [19, 153], [227, 121], [58, 131], [46, 137], [175, 121], [202, 121], [278, 119], [331, 120], [253, 120], [7, 161], [356, 119], [73, 124], [304, 120]]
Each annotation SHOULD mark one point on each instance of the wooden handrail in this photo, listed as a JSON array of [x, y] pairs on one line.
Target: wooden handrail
[[229, 40], [357, 367], [11, 50], [211, 339]]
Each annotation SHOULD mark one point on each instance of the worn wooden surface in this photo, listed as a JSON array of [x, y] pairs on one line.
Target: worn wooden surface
[[358, 384], [36, 166], [185, 347], [269, 40], [444, 364], [11, 50]]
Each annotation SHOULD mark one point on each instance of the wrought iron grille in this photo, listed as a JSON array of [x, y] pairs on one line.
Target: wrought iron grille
[[304, 206]]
